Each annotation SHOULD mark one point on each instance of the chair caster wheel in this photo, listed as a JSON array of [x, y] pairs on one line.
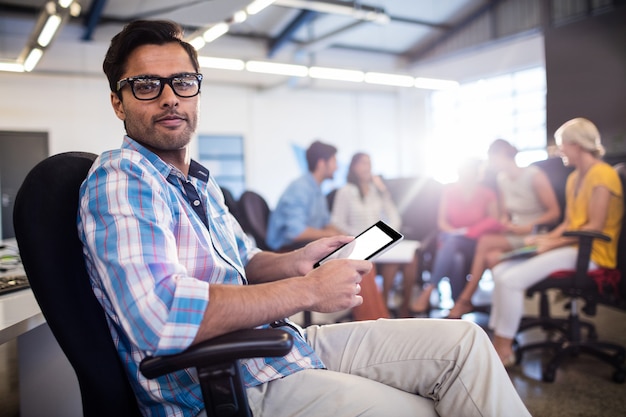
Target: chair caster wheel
[[549, 374], [619, 376]]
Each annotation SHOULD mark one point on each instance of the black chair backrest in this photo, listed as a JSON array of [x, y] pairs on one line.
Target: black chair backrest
[[255, 214], [231, 202], [45, 229]]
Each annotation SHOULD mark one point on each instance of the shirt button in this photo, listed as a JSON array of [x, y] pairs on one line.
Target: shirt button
[[196, 203]]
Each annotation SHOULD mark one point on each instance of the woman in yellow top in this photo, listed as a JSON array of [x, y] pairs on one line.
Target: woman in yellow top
[[594, 201]]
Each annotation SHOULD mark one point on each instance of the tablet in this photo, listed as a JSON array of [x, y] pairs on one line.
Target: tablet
[[374, 241]]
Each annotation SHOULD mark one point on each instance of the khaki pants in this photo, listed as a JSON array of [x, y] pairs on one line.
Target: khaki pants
[[376, 368]]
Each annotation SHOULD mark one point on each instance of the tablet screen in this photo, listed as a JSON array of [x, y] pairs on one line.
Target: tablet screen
[[374, 241]]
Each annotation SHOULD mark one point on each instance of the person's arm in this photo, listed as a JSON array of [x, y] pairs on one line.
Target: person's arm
[[295, 205], [329, 288], [547, 198], [271, 266], [598, 209]]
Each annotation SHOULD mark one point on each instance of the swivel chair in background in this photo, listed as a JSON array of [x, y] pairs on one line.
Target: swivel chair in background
[[254, 214], [45, 215], [565, 336]]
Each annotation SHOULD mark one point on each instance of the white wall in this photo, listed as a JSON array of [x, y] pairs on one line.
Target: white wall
[[391, 125]]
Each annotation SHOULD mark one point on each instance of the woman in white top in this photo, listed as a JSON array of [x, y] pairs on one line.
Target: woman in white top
[[363, 201], [526, 200]]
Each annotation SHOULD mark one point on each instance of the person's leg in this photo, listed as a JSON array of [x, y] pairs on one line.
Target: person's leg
[[458, 271], [388, 272], [451, 362], [484, 247], [511, 279], [319, 392], [442, 264]]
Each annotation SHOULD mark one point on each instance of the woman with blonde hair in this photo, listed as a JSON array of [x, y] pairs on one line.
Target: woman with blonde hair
[[594, 201]]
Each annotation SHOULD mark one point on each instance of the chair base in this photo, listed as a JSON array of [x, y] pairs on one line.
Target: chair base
[[570, 342]]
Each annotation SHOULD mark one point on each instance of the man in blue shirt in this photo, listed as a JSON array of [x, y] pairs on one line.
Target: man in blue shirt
[[172, 267], [302, 214]]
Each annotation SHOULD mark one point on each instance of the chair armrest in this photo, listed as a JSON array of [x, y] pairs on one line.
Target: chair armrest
[[589, 234], [241, 344]]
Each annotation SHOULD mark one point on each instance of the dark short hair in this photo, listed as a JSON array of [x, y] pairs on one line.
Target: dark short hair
[[502, 147], [317, 151], [139, 33]]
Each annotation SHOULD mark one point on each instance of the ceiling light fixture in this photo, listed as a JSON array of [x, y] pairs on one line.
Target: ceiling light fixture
[[32, 59], [275, 68], [352, 9], [395, 80], [11, 67], [221, 63], [47, 26], [435, 84], [258, 5], [336, 74], [49, 30], [215, 32]]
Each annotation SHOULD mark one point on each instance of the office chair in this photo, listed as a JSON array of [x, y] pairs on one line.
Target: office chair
[[231, 203], [565, 335], [255, 214], [45, 227]]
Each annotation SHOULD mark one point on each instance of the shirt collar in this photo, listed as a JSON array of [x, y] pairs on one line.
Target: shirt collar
[[196, 169]]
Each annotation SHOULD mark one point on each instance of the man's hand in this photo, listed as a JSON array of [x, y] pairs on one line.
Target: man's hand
[[335, 284], [307, 256]]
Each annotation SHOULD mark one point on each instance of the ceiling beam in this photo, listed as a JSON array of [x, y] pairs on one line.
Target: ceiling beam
[[93, 18], [303, 18]]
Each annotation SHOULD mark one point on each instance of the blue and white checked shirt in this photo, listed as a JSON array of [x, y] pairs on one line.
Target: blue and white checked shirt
[[151, 261]]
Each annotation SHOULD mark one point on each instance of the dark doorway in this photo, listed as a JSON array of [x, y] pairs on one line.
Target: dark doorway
[[19, 153]]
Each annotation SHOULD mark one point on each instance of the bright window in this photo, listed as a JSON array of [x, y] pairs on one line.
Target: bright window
[[467, 119]]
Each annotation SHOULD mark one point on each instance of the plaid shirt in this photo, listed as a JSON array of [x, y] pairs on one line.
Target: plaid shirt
[[151, 260]]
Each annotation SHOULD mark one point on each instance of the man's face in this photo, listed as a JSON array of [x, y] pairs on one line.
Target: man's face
[[168, 122], [330, 167]]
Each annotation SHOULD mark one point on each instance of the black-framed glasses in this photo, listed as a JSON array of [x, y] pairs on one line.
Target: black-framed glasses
[[149, 88]]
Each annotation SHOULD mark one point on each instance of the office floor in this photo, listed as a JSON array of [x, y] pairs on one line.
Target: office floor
[[583, 386]]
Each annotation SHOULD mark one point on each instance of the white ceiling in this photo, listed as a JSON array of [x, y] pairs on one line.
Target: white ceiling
[[326, 39]]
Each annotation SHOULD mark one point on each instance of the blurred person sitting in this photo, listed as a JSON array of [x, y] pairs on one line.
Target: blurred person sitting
[[527, 200], [594, 202], [468, 210], [302, 214], [360, 203]]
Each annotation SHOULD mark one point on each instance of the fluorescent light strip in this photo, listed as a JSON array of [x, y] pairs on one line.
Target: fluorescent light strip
[[49, 29], [435, 84], [395, 80], [277, 69], [11, 67], [32, 59], [240, 16], [258, 5], [336, 74], [215, 32], [221, 63]]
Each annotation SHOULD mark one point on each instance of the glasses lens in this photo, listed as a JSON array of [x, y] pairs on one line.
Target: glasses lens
[[146, 88], [186, 85]]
